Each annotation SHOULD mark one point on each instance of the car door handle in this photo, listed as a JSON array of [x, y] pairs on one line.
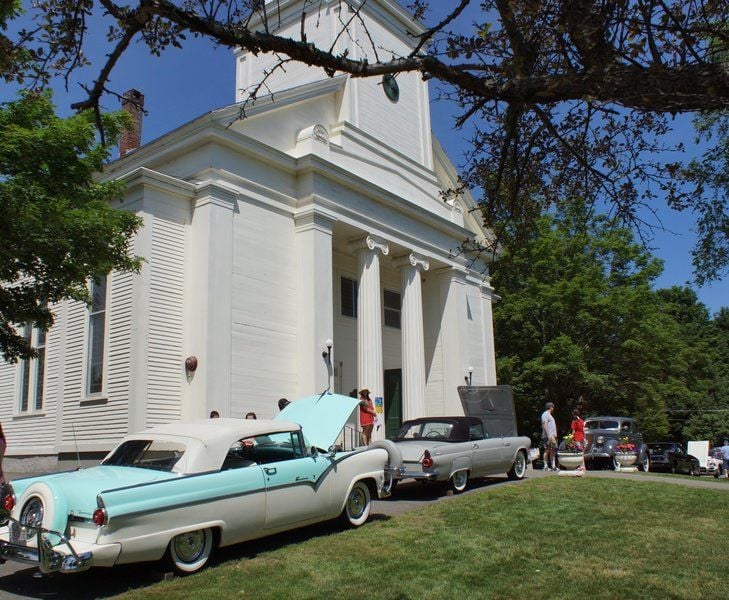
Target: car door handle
[[270, 471], [507, 443], [475, 446]]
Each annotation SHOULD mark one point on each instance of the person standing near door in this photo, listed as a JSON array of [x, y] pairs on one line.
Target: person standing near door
[[366, 417]]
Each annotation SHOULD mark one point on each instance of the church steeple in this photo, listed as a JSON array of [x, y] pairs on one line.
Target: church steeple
[[393, 110]]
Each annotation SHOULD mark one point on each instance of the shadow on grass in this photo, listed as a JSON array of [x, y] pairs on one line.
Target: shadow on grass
[[104, 583]]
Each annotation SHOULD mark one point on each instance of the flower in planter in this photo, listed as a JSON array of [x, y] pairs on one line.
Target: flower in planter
[[570, 445], [625, 446]]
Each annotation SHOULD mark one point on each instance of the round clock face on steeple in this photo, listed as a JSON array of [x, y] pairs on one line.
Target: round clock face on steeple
[[389, 84]]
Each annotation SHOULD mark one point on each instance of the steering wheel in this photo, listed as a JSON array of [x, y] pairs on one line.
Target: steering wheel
[[432, 434]]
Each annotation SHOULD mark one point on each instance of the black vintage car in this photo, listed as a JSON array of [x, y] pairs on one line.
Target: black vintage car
[[671, 456], [604, 435]]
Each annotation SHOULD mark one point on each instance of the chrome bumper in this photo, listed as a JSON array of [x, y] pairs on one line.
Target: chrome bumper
[[422, 475], [45, 557]]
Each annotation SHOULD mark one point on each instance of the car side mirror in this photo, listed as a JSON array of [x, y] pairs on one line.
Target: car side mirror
[[314, 452], [332, 450]]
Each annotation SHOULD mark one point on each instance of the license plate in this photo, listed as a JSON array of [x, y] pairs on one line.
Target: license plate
[[18, 534]]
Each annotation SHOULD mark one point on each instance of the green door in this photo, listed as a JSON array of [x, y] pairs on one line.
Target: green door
[[393, 402]]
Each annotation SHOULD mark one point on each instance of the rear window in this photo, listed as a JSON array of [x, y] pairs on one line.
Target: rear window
[[603, 424], [427, 430], [159, 455]]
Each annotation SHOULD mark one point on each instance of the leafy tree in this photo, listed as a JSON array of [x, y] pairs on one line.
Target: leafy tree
[[702, 362], [579, 325], [710, 177], [58, 229], [568, 98]]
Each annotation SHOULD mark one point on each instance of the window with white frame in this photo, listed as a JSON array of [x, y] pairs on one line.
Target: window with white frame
[[32, 371], [97, 332], [392, 304], [349, 297]]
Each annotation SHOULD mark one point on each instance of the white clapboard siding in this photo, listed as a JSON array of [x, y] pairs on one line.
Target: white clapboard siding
[[167, 271], [264, 307], [30, 432], [101, 424]]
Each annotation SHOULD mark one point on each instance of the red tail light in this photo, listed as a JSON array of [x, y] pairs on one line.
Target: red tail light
[[427, 460], [9, 502], [99, 517]]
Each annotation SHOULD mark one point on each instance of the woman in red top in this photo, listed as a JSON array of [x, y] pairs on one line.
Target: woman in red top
[[578, 428], [366, 417], [578, 431]]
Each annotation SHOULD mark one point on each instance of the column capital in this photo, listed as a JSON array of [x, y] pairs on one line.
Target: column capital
[[370, 242], [217, 194], [311, 218], [411, 260]]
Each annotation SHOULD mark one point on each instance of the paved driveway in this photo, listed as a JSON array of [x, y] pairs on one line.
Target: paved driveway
[[18, 581]]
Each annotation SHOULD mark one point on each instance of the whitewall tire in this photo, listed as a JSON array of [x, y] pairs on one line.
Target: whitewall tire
[[357, 506], [189, 552]]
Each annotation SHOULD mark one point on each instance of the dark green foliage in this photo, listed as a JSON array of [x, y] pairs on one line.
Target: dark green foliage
[[579, 325], [58, 229], [702, 413]]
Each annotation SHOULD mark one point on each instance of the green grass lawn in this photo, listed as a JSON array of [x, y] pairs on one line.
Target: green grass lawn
[[545, 538], [723, 480]]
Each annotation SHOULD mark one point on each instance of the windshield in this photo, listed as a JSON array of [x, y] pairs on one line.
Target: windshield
[[604, 424], [159, 455], [427, 429]]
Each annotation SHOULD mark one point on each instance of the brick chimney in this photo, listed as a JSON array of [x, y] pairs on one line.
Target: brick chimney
[[133, 103]]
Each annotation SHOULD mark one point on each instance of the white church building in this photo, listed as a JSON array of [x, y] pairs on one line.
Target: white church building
[[305, 247]]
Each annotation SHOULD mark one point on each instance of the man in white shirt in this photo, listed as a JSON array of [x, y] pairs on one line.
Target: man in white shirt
[[725, 456], [549, 437]]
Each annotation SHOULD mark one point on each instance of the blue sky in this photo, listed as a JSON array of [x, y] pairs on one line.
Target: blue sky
[[183, 84]]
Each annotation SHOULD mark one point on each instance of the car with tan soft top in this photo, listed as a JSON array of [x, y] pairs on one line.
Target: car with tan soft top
[[179, 491]]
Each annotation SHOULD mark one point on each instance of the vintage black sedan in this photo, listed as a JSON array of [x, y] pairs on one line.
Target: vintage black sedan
[[609, 437], [671, 456]]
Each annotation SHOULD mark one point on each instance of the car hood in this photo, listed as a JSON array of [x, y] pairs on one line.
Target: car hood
[[79, 488], [321, 417]]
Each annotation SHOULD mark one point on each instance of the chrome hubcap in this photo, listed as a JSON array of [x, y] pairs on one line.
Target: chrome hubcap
[[32, 514], [189, 546], [459, 479], [356, 503]]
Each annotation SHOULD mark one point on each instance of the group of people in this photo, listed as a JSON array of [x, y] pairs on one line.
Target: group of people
[[549, 436], [367, 414], [282, 403]]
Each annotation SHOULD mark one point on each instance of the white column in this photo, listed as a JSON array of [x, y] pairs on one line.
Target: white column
[[454, 336], [489, 357], [370, 372], [209, 309], [315, 320], [413, 347]]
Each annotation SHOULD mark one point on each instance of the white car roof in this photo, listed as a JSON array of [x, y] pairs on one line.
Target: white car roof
[[207, 441]]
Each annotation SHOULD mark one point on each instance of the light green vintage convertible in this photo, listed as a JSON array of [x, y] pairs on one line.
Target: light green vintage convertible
[[176, 492]]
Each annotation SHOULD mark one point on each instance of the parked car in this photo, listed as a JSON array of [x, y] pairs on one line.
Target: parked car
[[458, 448], [603, 435], [181, 490], [671, 456], [715, 463]]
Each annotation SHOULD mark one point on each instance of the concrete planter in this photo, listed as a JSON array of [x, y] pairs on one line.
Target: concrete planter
[[569, 460], [625, 459]]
